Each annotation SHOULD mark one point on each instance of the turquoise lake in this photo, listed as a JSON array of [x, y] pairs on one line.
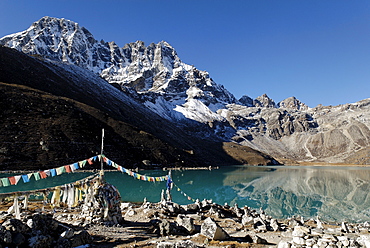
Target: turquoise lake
[[332, 193]]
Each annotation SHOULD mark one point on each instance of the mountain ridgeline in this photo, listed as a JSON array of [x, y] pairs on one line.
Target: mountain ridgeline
[[150, 89]]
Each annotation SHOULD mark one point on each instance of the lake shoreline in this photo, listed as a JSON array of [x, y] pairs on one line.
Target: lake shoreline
[[201, 168], [201, 224]]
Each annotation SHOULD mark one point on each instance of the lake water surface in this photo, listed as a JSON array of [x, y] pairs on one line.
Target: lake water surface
[[333, 193]]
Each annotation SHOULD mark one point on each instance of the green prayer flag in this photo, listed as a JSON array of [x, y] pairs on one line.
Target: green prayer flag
[[37, 176], [5, 181]]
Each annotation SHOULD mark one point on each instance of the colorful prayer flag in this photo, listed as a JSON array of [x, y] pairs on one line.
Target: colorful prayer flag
[[37, 176], [5, 181], [76, 165], [60, 170], [12, 180], [67, 168], [17, 178], [25, 178], [42, 174]]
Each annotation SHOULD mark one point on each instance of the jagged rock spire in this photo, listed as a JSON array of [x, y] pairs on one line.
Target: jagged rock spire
[[264, 101]]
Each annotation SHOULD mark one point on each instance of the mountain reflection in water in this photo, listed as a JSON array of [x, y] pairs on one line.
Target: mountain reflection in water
[[332, 193]]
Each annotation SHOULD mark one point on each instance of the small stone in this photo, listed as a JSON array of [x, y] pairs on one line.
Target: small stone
[[67, 233], [300, 231], [364, 240], [193, 208], [186, 244], [274, 225], [247, 220], [344, 240], [310, 242], [344, 227], [316, 231], [284, 244], [10, 210], [125, 205], [131, 213], [258, 240], [166, 245], [329, 238], [298, 240]]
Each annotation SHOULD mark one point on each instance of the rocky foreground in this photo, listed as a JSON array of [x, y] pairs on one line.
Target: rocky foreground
[[167, 224]]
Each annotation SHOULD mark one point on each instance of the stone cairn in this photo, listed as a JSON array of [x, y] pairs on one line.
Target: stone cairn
[[102, 205]]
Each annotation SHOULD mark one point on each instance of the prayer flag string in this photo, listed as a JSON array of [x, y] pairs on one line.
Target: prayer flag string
[[183, 193], [135, 174], [91, 178], [14, 180]]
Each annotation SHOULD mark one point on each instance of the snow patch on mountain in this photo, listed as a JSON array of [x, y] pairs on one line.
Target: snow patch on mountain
[[196, 110]]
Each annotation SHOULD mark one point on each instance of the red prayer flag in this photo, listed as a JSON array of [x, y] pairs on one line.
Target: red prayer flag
[[12, 180], [43, 174], [68, 169]]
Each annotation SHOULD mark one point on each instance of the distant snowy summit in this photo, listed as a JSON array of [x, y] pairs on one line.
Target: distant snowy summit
[[155, 68], [156, 77]]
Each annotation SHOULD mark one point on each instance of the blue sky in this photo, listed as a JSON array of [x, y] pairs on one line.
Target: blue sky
[[315, 50]]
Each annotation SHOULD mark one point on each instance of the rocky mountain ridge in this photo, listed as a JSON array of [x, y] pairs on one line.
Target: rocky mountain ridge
[[156, 77], [52, 113]]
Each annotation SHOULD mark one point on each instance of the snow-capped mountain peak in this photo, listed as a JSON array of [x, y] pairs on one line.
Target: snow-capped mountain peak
[[156, 77], [155, 68]]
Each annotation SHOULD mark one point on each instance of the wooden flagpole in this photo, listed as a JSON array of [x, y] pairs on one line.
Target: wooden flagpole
[[102, 150]]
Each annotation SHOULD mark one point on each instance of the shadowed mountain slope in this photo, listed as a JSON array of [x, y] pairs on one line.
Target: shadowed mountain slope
[[53, 113]]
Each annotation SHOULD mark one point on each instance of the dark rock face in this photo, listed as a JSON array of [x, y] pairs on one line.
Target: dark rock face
[[246, 101], [53, 113]]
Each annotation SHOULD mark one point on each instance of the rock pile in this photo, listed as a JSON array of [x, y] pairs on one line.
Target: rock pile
[[39, 230], [167, 224], [102, 205], [220, 226], [316, 235], [204, 218]]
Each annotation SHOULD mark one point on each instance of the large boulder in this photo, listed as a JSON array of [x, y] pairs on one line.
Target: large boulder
[[186, 222], [212, 230]]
